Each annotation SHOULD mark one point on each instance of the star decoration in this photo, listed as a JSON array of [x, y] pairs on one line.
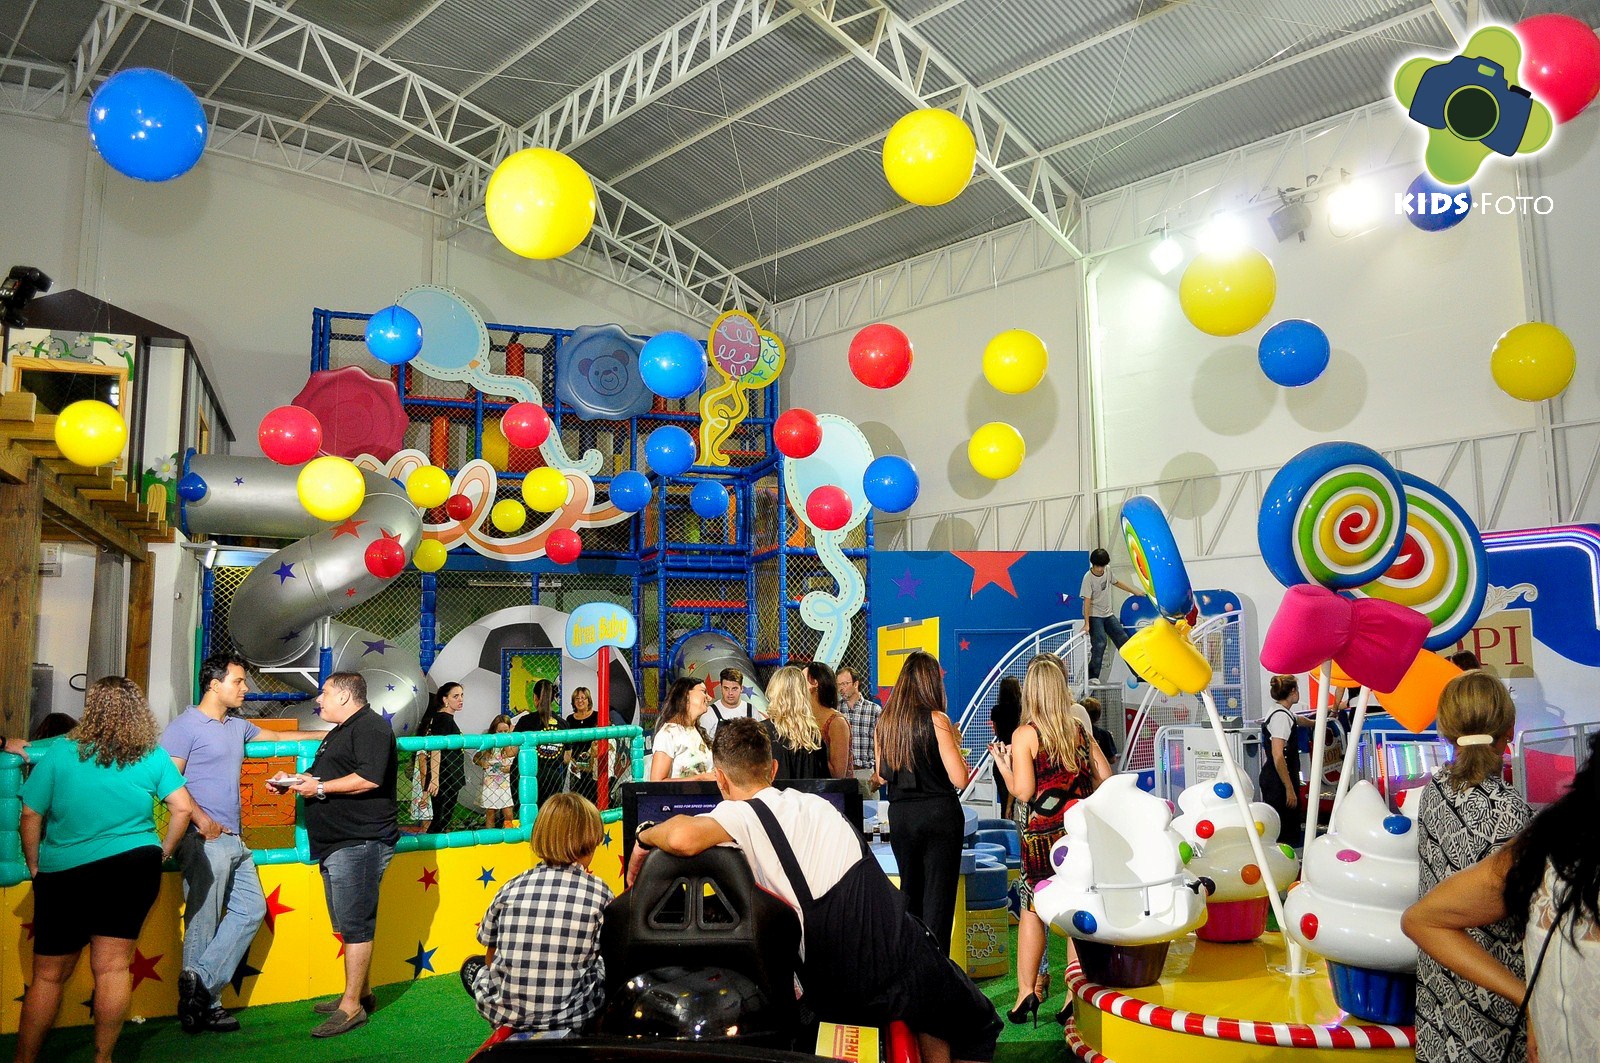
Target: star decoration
[[391, 688], [275, 908], [290, 637], [349, 527], [244, 971], [238, 481], [378, 647], [1065, 597], [340, 938], [605, 840], [430, 877], [388, 717], [88, 1005], [20, 997], [966, 645], [487, 876], [991, 566], [284, 572], [422, 961], [350, 592], [387, 534], [907, 585], [144, 967]]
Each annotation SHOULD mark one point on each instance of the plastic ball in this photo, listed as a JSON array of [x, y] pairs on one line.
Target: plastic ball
[[928, 156], [148, 125], [880, 356], [1308, 926], [331, 488], [1433, 206], [1533, 362], [669, 450], [1205, 828], [91, 433], [1293, 353], [1223, 790], [1226, 294], [385, 558], [996, 450], [430, 555], [1560, 63], [709, 499], [290, 435], [1015, 361], [828, 507], [539, 203], [891, 483], [525, 425], [797, 433], [563, 547], [545, 489], [458, 507], [508, 515], [673, 365], [630, 491], [193, 487], [428, 487], [394, 335]]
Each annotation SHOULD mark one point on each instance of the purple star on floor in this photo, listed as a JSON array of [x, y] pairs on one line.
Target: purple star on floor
[[422, 961], [238, 481], [290, 637], [244, 971], [907, 585], [374, 647], [487, 876], [284, 572]]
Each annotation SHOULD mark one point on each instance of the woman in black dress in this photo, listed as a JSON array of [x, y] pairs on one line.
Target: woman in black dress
[[792, 726], [580, 757], [1004, 718], [447, 768]]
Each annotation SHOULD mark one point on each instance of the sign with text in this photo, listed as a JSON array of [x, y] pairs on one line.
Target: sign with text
[[599, 624]]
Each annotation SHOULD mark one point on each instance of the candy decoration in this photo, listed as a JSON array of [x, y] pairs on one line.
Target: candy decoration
[[385, 557], [1334, 515], [1308, 926], [1155, 556], [1084, 922], [1205, 828]]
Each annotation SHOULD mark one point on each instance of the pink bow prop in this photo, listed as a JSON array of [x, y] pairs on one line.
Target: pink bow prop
[[1373, 640]]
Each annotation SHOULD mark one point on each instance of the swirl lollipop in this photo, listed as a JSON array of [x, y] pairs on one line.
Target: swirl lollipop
[[742, 355], [1155, 556], [1334, 515], [1442, 570]]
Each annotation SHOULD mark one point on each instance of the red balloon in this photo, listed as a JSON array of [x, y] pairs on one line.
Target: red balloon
[[1560, 63], [458, 507], [526, 425], [880, 356], [797, 433], [563, 547], [385, 558], [828, 507], [290, 435]]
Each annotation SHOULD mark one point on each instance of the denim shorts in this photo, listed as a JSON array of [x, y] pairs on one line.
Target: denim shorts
[[350, 880]]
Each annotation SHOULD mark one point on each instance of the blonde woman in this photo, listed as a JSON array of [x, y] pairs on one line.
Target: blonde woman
[[1052, 762], [792, 726]]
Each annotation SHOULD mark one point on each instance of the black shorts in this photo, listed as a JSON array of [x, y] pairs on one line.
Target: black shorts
[[106, 898], [936, 997]]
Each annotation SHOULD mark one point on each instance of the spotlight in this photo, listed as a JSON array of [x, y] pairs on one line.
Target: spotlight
[[1353, 207], [1167, 253], [1222, 235], [20, 286], [1291, 219]]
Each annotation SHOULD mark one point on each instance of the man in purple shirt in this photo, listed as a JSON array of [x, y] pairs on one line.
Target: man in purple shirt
[[223, 901]]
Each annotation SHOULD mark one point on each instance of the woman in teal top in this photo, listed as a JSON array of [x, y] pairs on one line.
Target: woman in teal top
[[88, 835]]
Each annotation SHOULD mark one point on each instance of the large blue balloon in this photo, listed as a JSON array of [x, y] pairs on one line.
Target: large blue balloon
[[630, 491], [147, 125], [709, 499], [673, 365], [891, 483], [1293, 353], [193, 487], [670, 450], [1434, 207], [394, 335]]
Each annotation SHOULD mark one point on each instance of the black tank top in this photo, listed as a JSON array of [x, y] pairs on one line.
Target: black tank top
[[926, 777]]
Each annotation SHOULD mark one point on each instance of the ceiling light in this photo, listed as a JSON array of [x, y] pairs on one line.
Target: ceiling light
[[1222, 235], [1167, 253], [1353, 208]]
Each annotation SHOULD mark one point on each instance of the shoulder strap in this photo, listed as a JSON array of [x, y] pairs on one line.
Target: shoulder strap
[[785, 851], [717, 711]]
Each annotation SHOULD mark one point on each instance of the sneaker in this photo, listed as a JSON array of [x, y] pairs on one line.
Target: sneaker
[[340, 1022], [469, 971], [369, 1004], [193, 1002], [217, 1020]]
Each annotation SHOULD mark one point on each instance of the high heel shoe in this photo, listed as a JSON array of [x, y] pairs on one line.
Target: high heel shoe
[[1065, 1013], [1023, 1011]]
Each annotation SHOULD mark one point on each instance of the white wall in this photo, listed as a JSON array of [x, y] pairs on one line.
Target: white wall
[[61, 639]]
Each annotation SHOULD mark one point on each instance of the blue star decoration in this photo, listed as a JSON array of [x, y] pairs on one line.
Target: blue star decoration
[[284, 573], [487, 876], [388, 717], [374, 647], [290, 637], [605, 840], [244, 971], [907, 585], [391, 688], [422, 961], [238, 481]]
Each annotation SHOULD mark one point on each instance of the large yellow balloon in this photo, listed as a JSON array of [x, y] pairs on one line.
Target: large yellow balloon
[[539, 203], [1533, 362], [331, 488], [996, 450], [1015, 361], [428, 486], [508, 515], [545, 489], [1226, 294], [90, 432], [430, 555], [928, 156]]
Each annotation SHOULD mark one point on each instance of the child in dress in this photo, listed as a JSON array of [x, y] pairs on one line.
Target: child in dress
[[497, 800]]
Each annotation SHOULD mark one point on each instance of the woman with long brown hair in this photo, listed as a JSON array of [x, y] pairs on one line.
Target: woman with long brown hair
[[680, 748], [835, 729], [919, 758]]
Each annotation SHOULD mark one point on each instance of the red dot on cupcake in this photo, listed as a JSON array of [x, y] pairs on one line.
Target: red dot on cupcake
[[1348, 856], [1205, 828], [1308, 926], [1251, 874]]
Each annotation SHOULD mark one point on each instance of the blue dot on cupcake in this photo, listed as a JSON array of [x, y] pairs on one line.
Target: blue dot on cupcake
[[1397, 824], [1223, 790], [1084, 923]]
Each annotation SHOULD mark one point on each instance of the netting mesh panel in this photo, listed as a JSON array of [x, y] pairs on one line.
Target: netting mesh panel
[[463, 598], [769, 605], [395, 613], [226, 580]]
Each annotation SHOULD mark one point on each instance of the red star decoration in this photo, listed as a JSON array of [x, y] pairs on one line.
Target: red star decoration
[[991, 566], [350, 592], [430, 877], [275, 908], [29, 928], [340, 939], [143, 967], [966, 645], [349, 527], [387, 534]]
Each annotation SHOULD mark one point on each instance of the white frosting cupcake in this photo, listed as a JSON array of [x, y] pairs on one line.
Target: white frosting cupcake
[[1208, 807], [1230, 863]]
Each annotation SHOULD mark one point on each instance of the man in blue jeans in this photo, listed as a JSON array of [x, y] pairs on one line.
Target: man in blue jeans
[[223, 904], [1099, 611], [352, 827]]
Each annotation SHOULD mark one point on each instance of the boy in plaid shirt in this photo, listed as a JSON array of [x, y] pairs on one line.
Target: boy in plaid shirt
[[543, 970]]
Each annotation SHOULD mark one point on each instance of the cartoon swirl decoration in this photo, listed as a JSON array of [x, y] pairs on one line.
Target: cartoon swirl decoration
[[830, 614], [1334, 515]]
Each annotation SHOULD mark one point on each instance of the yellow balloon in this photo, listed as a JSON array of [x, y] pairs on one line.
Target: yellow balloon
[[1532, 362], [496, 449], [91, 433], [1015, 361], [430, 555], [331, 488], [996, 450], [1226, 294], [545, 489], [540, 204], [928, 156], [428, 486], [508, 515]]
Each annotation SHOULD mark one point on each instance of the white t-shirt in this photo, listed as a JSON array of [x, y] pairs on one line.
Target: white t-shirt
[[824, 843], [689, 753], [709, 721], [1098, 588], [1280, 724]]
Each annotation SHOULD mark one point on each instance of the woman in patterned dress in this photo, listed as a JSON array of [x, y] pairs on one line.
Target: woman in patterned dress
[[1467, 811]]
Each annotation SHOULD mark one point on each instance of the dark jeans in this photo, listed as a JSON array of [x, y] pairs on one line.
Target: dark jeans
[[1101, 627], [350, 880]]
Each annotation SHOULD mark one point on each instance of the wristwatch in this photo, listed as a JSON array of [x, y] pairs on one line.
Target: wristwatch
[[638, 833], [321, 795]]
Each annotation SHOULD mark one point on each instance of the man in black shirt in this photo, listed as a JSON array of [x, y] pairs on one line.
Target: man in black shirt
[[352, 826]]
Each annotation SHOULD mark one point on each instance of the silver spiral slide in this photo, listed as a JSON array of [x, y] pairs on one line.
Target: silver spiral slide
[[277, 615]]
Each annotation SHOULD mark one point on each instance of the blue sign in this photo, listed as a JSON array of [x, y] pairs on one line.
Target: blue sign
[[599, 624]]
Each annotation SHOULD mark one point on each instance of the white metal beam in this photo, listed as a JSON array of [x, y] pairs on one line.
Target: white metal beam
[[382, 49], [1103, 37], [105, 29]]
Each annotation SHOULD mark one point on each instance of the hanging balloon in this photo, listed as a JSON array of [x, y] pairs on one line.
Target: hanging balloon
[[880, 356], [1226, 294], [669, 450], [539, 203], [891, 483], [1560, 63], [828, 507], [385, 558], [564, 546], [193, 487], [428, 486], [508, 515], [1533, 362], [928, 156], [1293, 353], [525, 425], [545, 489], [630, 491], [709, 499], [90, 433], [673, 365], [290, 435], [331, 488], [797, 433], [394, 335], [458, 507], [148, 125], [1015, 361], [1434, 207], [996, 450], [430, 556]]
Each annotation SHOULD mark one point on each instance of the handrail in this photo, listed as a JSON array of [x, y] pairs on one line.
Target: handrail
[[1076, 633]]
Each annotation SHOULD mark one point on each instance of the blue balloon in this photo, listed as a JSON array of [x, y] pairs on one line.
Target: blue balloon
[[673, 365], [394, 335], [1434, 207], [709, 499], [193, 487], [669, 450], [1293, 353], [891, 483], [147, 125], [630, 491]]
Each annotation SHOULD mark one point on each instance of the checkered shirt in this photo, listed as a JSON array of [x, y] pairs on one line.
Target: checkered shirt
[[863, 721], [547, 974]]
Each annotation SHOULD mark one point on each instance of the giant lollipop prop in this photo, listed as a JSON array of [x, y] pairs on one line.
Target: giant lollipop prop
[[748, 359]]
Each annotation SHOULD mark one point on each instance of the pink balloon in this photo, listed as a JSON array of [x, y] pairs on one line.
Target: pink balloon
[[290, 435], [828, 507], [1560, 63]]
